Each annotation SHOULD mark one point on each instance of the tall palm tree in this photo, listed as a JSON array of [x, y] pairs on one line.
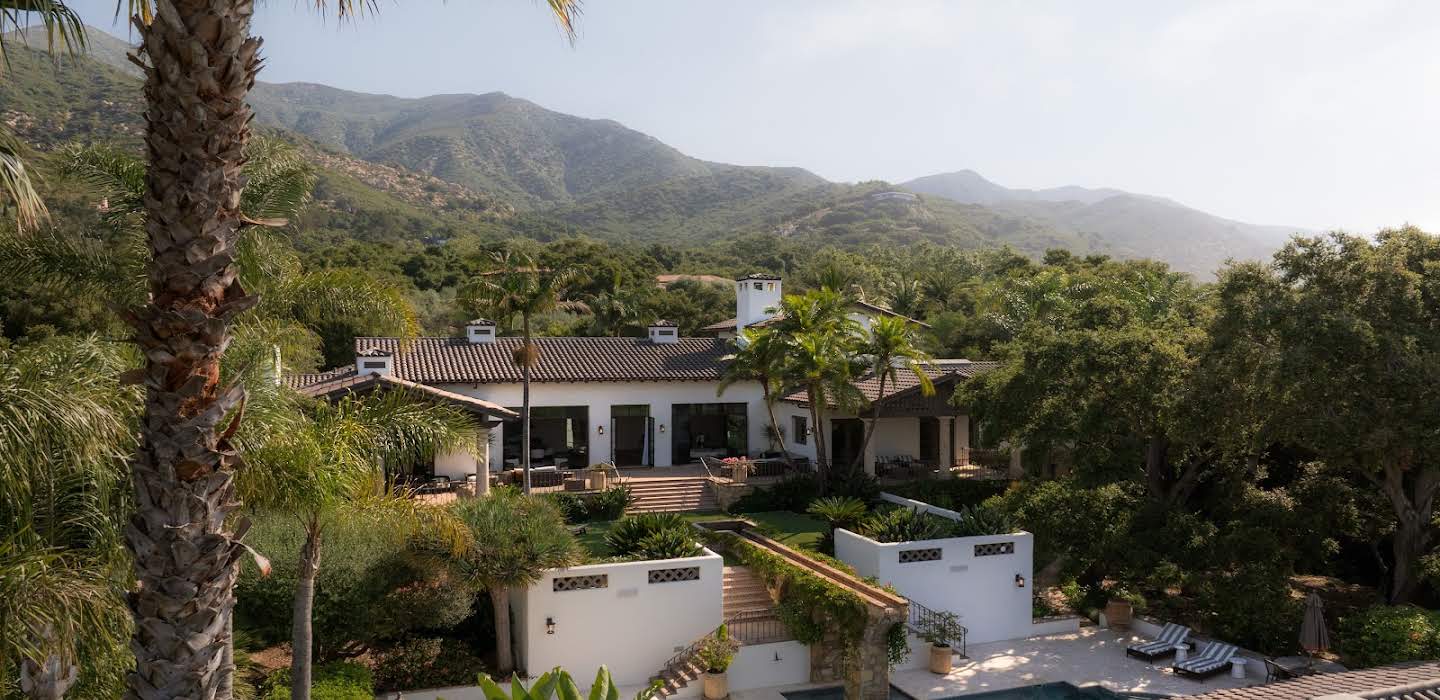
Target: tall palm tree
[[328, 464], [63, 29], [614, 307], [515, 538], [759, 356], [65, 429], [820, 343], [891, 345], [518, 286]]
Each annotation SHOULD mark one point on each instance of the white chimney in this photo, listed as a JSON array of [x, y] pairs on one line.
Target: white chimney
[[757, 297], [480, 330], [374, 361], [663, 331]]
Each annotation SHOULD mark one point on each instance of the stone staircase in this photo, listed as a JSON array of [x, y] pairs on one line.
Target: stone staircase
[[672, 495], [745, 598]]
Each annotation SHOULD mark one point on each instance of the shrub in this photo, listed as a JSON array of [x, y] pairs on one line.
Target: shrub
[[905, 525], [605, 505], [426, 662], [855, 483], [363, 570], [954, 493], [339, 680], [1385, 634], [670, 543], [628, 534], [983, 519], [794, 493], [717, 651]]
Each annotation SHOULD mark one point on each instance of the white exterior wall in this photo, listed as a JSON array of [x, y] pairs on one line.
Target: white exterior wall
[[784, 412], [769, 666], [457, 464], [753, 305], [896, 436], [598, 397], [633, 626], [980, 589]]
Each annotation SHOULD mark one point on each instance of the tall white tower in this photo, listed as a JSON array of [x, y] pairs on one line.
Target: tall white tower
[[757, 297]]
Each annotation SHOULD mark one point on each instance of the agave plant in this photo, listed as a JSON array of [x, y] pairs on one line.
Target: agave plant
[[983, 519], [905, 525], [628, 535]]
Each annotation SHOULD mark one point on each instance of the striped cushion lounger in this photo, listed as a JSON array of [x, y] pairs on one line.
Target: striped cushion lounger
[[1164, 645], [1213, 660]]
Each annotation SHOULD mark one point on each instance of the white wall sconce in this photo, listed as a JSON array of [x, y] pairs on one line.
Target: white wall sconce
[[549, 625], [1019, 581], [662, 427]]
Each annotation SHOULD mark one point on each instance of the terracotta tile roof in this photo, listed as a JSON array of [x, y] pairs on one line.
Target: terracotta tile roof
[[1378, 683], [349, 383], [296, 381], [667, 280], [905, 381], [458, 361]]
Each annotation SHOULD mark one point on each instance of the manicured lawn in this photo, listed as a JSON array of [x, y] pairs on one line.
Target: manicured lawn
[[791, 529]]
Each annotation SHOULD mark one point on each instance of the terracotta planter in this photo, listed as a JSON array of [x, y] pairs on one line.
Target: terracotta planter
[[941, 658], [717, 686], [738, 474], [1118, 613], [598, 480]]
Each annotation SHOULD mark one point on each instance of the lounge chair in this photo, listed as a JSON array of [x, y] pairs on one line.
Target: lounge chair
[[1213, 660], [1164, 645]]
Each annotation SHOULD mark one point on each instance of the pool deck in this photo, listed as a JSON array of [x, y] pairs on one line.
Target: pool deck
[[1090, 656]]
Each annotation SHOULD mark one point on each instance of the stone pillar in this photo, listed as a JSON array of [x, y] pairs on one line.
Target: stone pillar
[[1017, 468], [962, 436], [867, 672], [869, 458]]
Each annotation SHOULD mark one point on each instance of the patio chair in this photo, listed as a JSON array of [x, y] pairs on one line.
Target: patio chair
[[1213, 660], [1171, 635]]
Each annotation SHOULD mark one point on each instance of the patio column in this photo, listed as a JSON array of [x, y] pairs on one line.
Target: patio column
[[482, 462], [947, 442], [869, 459]]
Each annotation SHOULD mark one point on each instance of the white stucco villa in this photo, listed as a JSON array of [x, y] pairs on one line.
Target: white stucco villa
[[649, 402]]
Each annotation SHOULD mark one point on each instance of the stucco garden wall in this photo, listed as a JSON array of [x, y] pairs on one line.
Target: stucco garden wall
[[973, 577], [629, 623]]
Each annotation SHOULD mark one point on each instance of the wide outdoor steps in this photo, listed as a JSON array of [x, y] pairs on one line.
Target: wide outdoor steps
[[672, 495], [745, 593]]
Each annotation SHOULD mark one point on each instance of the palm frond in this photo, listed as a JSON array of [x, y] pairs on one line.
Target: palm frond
[[64, 30], [20, 195]]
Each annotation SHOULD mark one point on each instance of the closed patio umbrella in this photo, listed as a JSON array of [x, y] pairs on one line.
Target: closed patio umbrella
[[1313, 637]]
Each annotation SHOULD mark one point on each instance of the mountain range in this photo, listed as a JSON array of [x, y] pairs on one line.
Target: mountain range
[[504, 158]]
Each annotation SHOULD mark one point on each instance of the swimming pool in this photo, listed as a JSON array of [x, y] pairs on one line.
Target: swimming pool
[[1044, 691]]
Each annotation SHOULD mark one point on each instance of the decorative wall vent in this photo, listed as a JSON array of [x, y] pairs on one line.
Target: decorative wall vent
[[687, 573], [581, 583], [909, 556], [990, 550]]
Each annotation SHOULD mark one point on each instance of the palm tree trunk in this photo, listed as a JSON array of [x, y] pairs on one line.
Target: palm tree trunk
[[500, 604], [47, 681], [774, 422], [525, 403], [201, 63], [870, 429], [301, 632], [822, 463], [226, 689]]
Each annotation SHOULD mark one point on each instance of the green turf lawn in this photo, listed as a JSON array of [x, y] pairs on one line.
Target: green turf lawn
[[792, 529]]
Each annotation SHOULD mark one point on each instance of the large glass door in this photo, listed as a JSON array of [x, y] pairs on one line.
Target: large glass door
[[631, 436]]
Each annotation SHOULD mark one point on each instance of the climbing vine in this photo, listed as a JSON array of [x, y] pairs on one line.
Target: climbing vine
[[809, 605]]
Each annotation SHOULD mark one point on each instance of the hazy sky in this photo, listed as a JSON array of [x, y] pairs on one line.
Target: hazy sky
[[1316, 114]]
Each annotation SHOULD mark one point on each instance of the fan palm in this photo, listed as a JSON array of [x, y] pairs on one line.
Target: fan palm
[[518, 286], [515, 538], [65, 428], [891, 346], [327, 463]]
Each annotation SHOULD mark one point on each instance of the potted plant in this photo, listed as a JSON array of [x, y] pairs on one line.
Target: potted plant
[[715, 655], [598, 477], [739, 468], [939, 629], [1120, 609]]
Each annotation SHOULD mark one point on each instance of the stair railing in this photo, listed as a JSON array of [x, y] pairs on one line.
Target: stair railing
[[923, 620]]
